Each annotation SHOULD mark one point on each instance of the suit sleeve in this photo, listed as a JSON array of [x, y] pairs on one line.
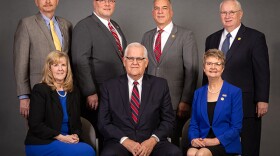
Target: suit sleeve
[[261, 69], [167, 116], [236, 120], [21, 59], [105, 125], [81, 58], [190, 57], [37, 114]]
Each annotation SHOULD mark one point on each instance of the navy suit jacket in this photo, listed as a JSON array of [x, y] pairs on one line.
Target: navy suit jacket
[[156, 115], [247, 66], [227, 120]]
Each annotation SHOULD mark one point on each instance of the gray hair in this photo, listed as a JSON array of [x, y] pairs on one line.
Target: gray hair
[[136, 44], [236, 2]]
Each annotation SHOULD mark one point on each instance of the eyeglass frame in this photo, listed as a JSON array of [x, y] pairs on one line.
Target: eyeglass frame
[[138, 59], [217, 64], [104, 1], [230, 13]]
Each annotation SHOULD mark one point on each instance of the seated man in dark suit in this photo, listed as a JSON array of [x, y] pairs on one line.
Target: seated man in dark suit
[[136, 115]]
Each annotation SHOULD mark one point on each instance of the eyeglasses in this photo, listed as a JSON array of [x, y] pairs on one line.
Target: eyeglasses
[[104, 1], [218, 64], [138, 59], [230, 13]]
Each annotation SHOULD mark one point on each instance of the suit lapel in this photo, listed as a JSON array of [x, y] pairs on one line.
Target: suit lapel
[[45, 30], [203, 107], [124, 95], [146, 87], [56, 101], [151, 46], [220, 103], [107, 32], [236, 43], [168, 43], [64, 34]]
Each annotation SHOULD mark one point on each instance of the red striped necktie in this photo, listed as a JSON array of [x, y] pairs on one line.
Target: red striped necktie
[[135, 102], [157, 49], [114, 33]]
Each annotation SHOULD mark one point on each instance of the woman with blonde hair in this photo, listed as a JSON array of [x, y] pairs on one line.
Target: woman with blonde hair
[[54, 120]]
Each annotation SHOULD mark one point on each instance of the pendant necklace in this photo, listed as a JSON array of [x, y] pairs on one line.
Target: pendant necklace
[[60, 94]]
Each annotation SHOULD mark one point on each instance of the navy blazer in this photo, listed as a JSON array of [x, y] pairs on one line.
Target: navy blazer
[[227, 120], [247, 66], [156, 115]]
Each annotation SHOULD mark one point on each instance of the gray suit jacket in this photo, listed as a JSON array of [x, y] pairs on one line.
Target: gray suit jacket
[[95, 54], [178, 63], [32, 43]]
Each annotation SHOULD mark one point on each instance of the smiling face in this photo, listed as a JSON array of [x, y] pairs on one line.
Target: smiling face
[[104, 9], [213, 67], [135, 68], [59, 70], [231, 15], [162, 13], [47, 7]]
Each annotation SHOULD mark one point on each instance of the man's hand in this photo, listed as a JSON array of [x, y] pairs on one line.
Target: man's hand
[[132, 146], [24, 107], [261, 108], [147, 147], [92, 101], [184, 110], [211, 141]]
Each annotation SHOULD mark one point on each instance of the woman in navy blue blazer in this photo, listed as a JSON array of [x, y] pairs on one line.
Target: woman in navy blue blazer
[[216, 119]]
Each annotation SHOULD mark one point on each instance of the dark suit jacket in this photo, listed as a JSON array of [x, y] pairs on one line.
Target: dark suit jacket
[[155, 116], [33, 42], [95, 54], [178, 63], [45, 117], [227, 120], [247, 66]]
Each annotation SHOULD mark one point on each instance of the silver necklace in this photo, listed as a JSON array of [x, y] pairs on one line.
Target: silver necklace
[[213, 91], [60, 94]]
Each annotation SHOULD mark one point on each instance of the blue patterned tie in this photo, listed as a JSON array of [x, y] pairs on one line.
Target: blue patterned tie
[[225, 46]]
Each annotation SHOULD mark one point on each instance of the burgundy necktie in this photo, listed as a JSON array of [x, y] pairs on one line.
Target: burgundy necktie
[[114, 33], [135, 102], [157, 49]]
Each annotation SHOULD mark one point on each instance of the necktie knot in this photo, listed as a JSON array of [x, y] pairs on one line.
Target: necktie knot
[[160, 31], [135, 83], [228, 35]]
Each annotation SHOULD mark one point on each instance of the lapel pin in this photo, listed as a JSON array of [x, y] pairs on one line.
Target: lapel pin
[[224, 95], [173, 36], [239, 38], [222, 98]]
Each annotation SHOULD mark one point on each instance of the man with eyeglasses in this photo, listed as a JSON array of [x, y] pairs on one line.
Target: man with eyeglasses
[[247, 67], [97, 52], [173, 55], [136, 115]]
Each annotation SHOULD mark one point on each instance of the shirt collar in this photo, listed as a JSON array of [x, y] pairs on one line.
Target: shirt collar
[[104, 21], [47, 20], [130, 80], [167, 28], [233, 33]]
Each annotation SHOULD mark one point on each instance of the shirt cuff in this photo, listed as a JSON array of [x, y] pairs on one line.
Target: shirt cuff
[[23, 97], [123, 139], [157, 139]]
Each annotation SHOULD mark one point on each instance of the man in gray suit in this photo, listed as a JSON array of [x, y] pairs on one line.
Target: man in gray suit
[[173, 56], [32, 43], [97, 51]]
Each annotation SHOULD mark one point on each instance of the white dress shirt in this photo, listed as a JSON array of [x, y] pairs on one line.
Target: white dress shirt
[[164, 35], [224, 36]]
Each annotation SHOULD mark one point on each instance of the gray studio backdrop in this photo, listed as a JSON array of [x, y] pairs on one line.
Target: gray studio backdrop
[[134, 17]]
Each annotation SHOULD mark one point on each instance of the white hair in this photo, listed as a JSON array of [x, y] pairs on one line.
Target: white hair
[[136, 44]]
